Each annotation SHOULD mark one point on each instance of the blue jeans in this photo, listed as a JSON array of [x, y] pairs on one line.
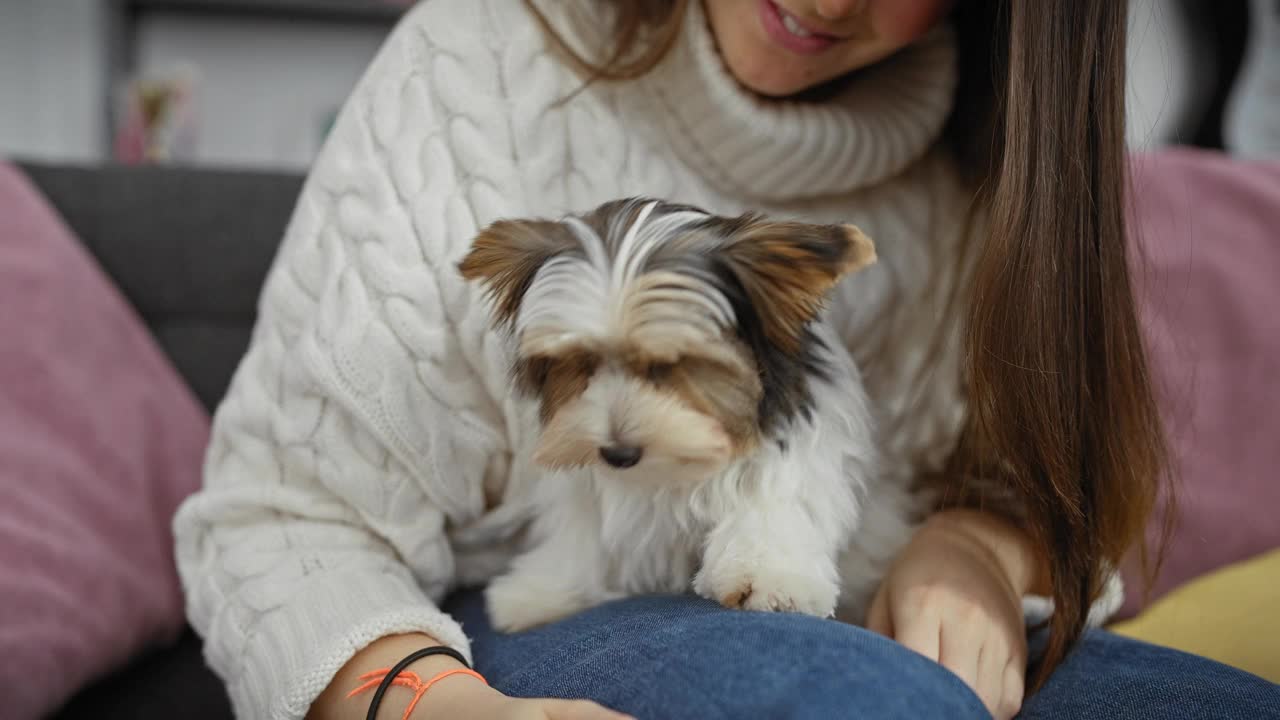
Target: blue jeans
[[676, 657]]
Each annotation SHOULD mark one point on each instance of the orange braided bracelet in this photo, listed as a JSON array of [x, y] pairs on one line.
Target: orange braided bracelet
[[380, 680]]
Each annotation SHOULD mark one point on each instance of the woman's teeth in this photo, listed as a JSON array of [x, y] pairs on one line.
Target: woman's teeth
[[792, 26]]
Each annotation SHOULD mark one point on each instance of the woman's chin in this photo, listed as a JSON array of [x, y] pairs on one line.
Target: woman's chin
[[776, 80]]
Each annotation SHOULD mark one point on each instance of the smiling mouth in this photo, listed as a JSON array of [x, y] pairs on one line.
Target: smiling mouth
[[790, 23], [787, 30]]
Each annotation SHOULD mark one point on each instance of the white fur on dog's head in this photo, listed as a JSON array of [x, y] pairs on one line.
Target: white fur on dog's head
[[659, 337]]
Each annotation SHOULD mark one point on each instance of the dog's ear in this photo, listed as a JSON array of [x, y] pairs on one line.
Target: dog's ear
[[506, 256], [787, 268]]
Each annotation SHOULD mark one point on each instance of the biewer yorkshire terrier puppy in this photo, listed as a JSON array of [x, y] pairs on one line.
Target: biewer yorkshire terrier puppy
[[697, 421]]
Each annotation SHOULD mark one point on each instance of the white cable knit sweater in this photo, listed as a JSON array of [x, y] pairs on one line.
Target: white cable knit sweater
[[367, 458]]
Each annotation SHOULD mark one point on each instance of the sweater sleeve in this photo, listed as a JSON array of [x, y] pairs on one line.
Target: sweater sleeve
[[358, 423]]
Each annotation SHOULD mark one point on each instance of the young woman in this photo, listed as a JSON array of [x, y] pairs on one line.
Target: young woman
[[368, 458]]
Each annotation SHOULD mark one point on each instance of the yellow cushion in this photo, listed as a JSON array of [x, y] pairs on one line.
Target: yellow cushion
[[1227, 615]]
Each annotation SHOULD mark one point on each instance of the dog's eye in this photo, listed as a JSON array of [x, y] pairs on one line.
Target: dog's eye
[[534, 373], [575, 369], [660, 371]]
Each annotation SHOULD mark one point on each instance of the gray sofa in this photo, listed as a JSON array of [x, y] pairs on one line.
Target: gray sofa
[[189, 249]]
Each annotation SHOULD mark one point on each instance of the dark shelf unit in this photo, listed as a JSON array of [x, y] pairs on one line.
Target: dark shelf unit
[[126, 14], [340, 11]]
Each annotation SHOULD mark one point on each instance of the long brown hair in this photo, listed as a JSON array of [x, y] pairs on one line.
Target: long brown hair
[[1062, 408]]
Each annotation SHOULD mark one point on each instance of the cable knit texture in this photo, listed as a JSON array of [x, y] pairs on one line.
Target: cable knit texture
[[369, 456]]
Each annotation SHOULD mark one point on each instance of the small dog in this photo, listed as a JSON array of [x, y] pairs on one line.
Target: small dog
[[698, 422]]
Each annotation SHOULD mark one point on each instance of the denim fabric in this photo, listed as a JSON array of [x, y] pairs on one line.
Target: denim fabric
[[670, 658], [1110, 676]]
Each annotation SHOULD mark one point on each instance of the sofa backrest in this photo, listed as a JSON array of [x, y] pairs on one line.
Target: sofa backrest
[[189, 248]]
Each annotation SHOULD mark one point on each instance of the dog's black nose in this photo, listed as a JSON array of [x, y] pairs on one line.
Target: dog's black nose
[[621, 456]]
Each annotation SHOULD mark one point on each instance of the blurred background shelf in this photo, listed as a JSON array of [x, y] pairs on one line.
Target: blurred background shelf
[[346, 11], [268, 75]]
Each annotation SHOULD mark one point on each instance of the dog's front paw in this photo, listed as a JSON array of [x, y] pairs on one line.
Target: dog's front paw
[[519, 602], [771, 589]]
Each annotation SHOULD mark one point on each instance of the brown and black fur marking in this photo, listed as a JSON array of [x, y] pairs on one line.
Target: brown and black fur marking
[[507, 255]]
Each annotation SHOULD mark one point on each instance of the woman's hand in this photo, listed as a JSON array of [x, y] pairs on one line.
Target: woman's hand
[[461, 696], [455, 696], [557, 710], [954, 595], [489, 704]]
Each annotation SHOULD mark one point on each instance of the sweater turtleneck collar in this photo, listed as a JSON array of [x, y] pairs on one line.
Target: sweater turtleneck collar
[[878, 122]]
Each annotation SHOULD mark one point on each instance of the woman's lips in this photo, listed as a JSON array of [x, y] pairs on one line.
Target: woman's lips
[[786, 30]]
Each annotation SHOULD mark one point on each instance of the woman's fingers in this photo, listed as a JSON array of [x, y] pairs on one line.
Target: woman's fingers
[[878, 618], [580, 710], [1012, 688], [959, 650], [992, 661], [1013, 678], [951, 599], [918, 626]]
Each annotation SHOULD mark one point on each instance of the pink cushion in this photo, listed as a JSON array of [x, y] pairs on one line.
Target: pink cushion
[[1209, 291], [99, 441]]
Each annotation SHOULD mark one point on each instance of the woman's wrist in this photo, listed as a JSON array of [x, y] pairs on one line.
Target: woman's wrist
[[448, 697], [456, 696], [450, 694], [1010, 546]]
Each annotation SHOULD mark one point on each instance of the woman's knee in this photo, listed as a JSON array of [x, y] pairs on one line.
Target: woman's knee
[[1115, 676], [685, 657], [782, 665]]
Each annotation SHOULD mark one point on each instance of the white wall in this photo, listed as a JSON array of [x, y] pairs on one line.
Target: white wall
[[53, 76], [265, 87], [1169, 83]]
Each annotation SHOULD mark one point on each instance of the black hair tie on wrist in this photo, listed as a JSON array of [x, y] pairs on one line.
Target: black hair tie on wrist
[[399, 667]]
